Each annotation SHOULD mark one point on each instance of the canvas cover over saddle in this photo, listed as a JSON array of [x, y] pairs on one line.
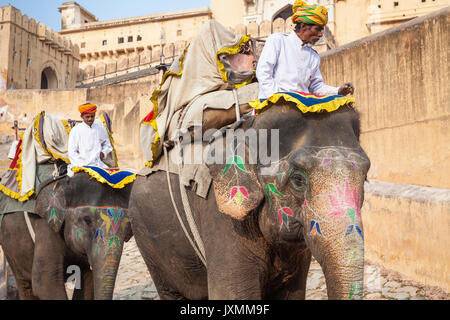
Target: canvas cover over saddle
[[205, 67], [197, 92]]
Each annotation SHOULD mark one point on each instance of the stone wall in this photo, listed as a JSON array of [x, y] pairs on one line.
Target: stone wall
[[402, 95], [29, 48], [406, 229]]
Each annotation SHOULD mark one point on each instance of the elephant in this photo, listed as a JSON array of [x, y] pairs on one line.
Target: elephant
[[263, 221], [80, 227]]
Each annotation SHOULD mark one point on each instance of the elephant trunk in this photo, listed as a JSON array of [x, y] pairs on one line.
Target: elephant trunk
[[344, 276], [342, 262], [105, 273], [334, 233]]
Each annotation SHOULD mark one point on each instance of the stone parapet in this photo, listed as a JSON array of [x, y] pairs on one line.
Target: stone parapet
[[407, 229]]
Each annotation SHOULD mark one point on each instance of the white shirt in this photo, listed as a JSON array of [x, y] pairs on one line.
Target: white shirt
[[85, 145], [286, 64]]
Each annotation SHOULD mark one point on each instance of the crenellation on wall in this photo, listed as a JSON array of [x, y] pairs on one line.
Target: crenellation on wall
[[30, 45]]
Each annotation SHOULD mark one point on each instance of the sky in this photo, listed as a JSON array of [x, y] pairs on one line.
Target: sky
[[46, 11]]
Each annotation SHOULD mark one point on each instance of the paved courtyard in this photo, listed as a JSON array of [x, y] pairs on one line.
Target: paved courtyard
[[134, 282]]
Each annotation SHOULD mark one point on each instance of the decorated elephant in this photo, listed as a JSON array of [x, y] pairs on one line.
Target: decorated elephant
[[261, 222], [80, 226]]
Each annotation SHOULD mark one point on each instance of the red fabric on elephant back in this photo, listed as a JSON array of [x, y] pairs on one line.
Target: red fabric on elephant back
[[14, 164]]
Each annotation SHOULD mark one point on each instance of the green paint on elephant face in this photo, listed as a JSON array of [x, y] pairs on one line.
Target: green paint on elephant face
[[270, 188], [237, 162], [114, 240], [351, 213], [80, 231], [53, 215]]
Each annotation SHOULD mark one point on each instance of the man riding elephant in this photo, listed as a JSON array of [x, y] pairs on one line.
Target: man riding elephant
[[88, 141], [251, 235], [288, 63], [62, 228]]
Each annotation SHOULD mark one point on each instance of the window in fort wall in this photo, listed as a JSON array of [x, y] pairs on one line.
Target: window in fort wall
[[83, 45], [121, 40], [104, 42], [139, 38], [130, 39]]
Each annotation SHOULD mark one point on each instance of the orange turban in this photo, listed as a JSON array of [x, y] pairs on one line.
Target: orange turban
[[310, 14], [87, 108]]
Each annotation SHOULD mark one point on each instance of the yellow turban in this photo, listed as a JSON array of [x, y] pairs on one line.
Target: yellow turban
[[87, 108], [310, 14]]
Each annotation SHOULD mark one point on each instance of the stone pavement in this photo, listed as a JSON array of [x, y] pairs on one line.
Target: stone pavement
[[134, 282]]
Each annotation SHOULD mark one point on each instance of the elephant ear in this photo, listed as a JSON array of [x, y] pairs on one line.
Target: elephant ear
[[50, 205], [235, 181]]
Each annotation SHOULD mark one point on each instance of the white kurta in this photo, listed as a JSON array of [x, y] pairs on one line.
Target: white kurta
[[85, 145], [286, 64]]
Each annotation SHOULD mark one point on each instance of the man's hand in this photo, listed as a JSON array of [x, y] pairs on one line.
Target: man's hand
[[346, 89], [102, 156]]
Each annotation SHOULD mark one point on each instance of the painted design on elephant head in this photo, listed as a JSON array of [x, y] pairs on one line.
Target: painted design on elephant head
[[315, 228], [270, 188], [54, 205], [278, 199], [283, 214], [235, 161], [114, 240], [238, 194], [356, 289], [80, 231], [347, 203], [99, 235], [113, 218]]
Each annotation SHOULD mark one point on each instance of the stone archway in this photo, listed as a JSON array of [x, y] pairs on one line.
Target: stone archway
[[49, 80], [284, 13]]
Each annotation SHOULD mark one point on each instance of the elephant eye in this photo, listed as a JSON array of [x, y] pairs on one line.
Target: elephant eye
[[87, 220], [299, 180]]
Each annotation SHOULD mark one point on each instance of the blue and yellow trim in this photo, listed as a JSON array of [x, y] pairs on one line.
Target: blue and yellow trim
[[305, 102], [116, 180]]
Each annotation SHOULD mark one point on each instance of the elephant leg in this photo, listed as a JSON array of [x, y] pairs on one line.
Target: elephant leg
[[165, 290], [23, 279], [48, 263], [18, 247], [295, 288], [86, 292], [237, 269], [297, 291]]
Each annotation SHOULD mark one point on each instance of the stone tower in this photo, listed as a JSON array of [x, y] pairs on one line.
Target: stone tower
[[73, 16]]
